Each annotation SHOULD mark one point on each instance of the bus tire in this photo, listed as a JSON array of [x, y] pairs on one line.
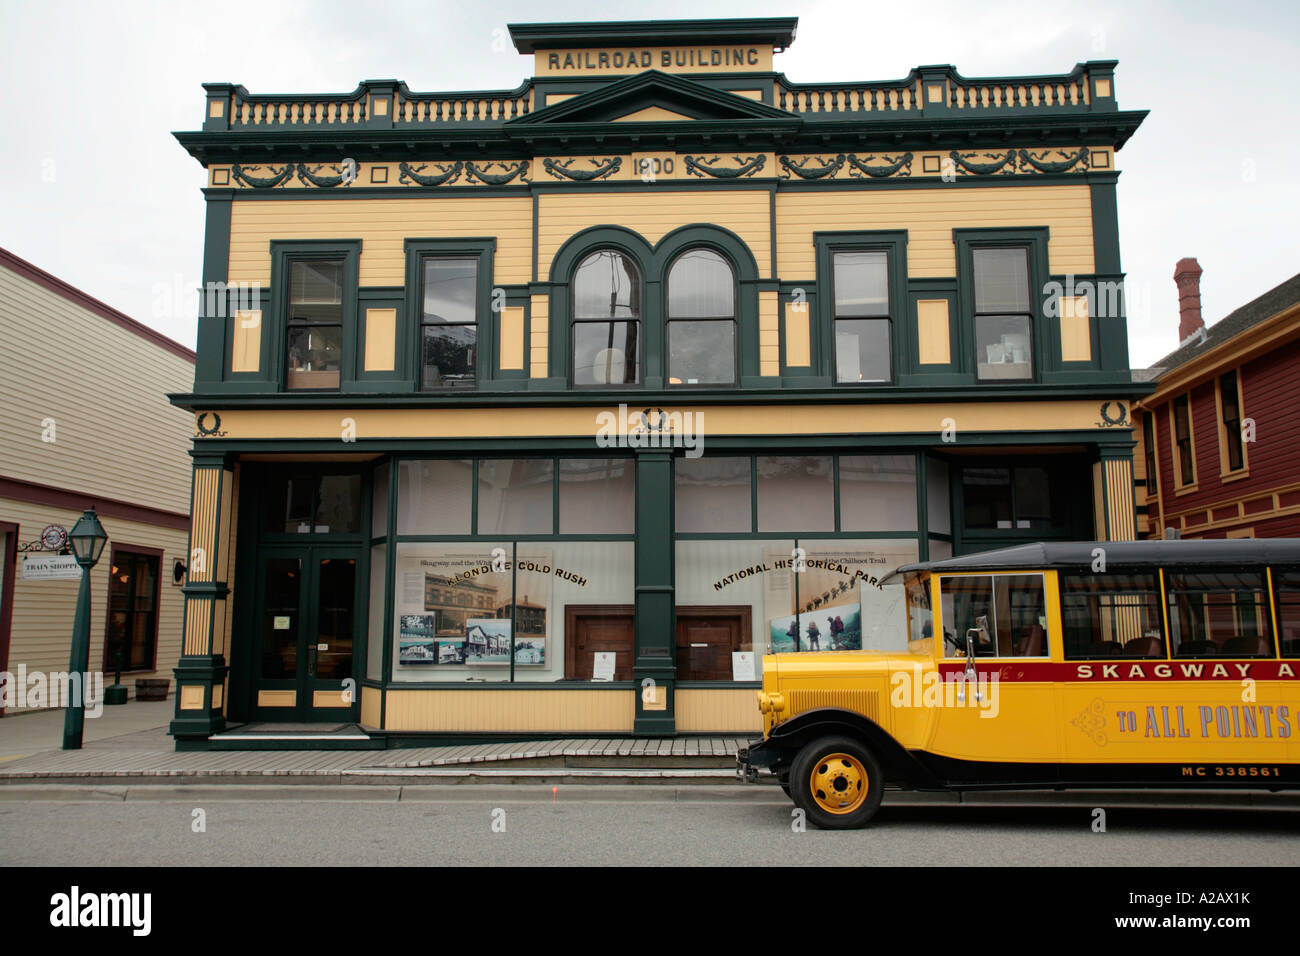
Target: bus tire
[[837, 782]]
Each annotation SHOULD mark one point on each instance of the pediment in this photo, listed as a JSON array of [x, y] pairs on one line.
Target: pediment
[[652, 97]]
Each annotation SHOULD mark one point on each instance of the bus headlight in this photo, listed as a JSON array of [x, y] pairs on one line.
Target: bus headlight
[[770, 703]]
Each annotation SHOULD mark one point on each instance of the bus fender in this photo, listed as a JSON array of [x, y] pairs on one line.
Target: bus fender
[[789, 737]]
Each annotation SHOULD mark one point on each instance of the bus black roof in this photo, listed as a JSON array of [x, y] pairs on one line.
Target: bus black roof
[[1124, 554]]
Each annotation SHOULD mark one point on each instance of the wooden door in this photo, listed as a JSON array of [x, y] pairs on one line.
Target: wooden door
[[706, 638], [593, 629]]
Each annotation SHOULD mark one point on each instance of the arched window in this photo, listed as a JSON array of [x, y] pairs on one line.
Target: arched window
[[606, 320], [701, 319]]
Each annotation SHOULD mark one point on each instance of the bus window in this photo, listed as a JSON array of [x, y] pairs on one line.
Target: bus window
[[1218, 614], [1008, 610], [1111, 615], [1287, 587], [920, 618]]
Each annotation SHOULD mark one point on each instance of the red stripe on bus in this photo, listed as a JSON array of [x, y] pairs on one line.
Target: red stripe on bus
[[1086, 671]]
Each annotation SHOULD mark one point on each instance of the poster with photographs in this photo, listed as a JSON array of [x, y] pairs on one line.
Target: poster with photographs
[[455, 605], [836, 603], [416, 641]]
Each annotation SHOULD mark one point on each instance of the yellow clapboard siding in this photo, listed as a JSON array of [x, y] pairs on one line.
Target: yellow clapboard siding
[[653, 213], [383, 226], [511, 341], [104, 388], [929, 216], [381, 340], [371, 701], [513, 710], [539, 347], [798, 342], [42, 610], [720, 710]]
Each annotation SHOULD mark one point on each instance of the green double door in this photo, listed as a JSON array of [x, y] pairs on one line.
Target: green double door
[[306, 634]]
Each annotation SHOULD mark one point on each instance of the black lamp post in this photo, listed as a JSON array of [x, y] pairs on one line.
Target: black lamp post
[[87, 538]]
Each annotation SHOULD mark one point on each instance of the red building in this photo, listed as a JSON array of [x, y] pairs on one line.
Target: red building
[[1219, 439]]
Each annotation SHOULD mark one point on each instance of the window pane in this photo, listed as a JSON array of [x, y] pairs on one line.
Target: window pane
[[374, 639], [712, 494], [939, 508], [605, 353], [1036, 506], [316, 291], [1001, 280], [449, 352], [597, 496], [862, 352], [450, 290], [795, 494], [701, 285], [1003, 348], [702, 353], [433, 497], [861, 283], [289, 504], [986, 495], [878, 493], [1218, 614], [1286, 586], [379, 502], [1111, 615], [606, 285], [1008, 612], [515, 496], [314, 352], [338, 509]]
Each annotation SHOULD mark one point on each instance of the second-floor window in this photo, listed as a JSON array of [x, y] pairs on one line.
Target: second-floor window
[[315, 323], [862, 317], [1231, 421], [449, 322], [1149, 449], [1183, 441], [701, 320], [1003, 314], [606, 320]]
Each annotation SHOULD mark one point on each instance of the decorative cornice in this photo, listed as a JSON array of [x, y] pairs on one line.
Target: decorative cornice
[[700, 166], [564, 170]]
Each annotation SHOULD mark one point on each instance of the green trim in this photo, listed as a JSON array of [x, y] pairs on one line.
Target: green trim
[[485, 347], [827, 244], [532, 37], [273, 366]]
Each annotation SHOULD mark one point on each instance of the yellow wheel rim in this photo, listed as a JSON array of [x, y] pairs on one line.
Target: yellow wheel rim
[[838, 783]]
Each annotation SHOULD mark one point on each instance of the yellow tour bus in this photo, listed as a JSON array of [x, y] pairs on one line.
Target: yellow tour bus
[[1138, 664]]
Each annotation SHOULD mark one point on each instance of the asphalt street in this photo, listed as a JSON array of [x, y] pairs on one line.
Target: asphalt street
[[511, 827]]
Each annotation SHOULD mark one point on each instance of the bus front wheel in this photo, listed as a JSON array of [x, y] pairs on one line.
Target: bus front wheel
[[837, 782]]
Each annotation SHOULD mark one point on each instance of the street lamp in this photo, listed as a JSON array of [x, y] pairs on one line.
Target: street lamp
[[87, 538]]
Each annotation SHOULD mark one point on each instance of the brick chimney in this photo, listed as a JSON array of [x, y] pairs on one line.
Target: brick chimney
[[1187, 274]]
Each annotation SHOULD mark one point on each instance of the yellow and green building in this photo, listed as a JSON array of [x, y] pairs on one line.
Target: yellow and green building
[[549, 411]]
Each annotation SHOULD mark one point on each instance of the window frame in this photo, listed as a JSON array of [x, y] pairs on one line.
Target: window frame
[[1175, 444], [734, 318], [571, 319], [1226, 471], [283, 254], [960, 652], [1151, 452], [1034, 239], [893, 242], [417, 250], [116, 549]]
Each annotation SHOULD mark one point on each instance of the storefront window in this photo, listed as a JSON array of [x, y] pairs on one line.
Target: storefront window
[[433, 497], [938, 502], [780, 595], [597, 496], [796, 494], [132, 610], [878, 493], [713, 495], [516, 496], [375, 642], [464, 611]]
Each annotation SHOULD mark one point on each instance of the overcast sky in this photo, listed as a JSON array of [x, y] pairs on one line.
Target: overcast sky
[[99, 193]]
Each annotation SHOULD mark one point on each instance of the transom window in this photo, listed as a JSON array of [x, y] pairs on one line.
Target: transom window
[[1004, 347], [314, 338], [701, 320], [606, 320], [862, 316], [449, 322]]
